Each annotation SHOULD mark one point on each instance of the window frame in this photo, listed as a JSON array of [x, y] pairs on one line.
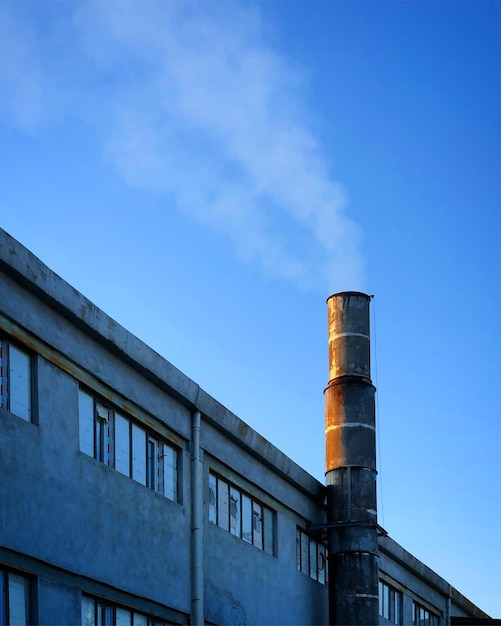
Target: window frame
[[390, 602], [5, 596], [105, 613], [132, 457], [154, 463], [430, 618], [250, 514], [306, 547], [6, 392]]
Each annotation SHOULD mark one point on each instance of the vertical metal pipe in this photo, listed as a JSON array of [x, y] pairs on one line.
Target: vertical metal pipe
[[197, 603], [351, 465], [448, 609]]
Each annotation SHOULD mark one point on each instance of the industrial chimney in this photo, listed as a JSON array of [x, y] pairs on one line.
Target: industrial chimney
[[351, 465]]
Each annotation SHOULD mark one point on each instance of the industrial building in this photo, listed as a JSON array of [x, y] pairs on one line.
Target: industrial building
[[128, 495]]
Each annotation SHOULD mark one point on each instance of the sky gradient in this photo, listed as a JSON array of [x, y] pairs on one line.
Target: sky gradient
[[208, 173]]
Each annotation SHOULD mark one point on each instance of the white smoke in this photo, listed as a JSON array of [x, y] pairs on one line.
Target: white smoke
[[193, 102]]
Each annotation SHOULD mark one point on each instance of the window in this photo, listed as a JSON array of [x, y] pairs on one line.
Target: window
[[15, 380], [311, 556], [14, 599], [423, 617], [240, 514], [117, 441], [101, 613], [390, 603]]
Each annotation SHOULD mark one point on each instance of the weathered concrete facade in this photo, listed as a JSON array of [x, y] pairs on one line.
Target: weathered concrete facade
[[83, 541]]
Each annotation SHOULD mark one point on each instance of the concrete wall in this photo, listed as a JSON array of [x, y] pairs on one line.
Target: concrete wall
[[91, 529], [72, 511], [246, 585]]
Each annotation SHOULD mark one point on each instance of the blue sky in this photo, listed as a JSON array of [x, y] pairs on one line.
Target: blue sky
[[209, 172]]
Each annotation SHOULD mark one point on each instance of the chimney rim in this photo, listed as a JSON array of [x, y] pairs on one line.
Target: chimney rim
[[351, 293]]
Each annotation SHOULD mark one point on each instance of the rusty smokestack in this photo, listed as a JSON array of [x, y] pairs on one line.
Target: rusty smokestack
[[351, 465]]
